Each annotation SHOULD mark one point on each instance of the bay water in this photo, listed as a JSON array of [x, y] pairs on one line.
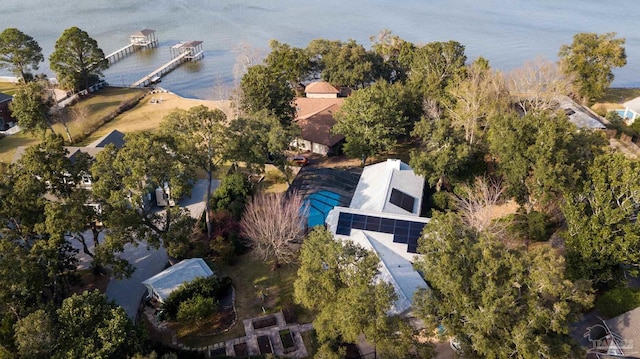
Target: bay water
[[506, 32]]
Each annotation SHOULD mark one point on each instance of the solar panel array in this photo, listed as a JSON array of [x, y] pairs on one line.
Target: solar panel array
[[403, 231], [402, 200]]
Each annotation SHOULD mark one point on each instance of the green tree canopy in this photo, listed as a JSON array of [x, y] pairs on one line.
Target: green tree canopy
[[199, 136], [590, 59], [123, 183], [497, 302], [31, 106], [443, 154], [338, 280], [292, 62], [265, 89], [77, 60], [435, 65], [35, 336], [91, 327], [371, 121], [603, 237], [345, 63], [20, 53], [541, 155]]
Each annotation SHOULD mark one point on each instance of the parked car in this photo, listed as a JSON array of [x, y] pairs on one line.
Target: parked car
[[299, 160]]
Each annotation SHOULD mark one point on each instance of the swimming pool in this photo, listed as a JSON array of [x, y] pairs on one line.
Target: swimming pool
[[320, 203], [621, 113]]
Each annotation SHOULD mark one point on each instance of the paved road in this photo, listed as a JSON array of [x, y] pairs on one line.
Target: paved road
[[127, 292]]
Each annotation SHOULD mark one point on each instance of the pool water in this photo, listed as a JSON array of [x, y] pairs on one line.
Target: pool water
[[320, 203]]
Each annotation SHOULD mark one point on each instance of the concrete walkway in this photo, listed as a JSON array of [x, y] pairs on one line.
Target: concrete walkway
[[249, 342]]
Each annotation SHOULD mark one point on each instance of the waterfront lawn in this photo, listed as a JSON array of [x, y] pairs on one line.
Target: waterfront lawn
[[251, 277], [8, 88], [9, 144], [86, 116], [614, 98]]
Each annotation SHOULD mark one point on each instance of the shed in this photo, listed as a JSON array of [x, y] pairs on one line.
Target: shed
[[162, 284]]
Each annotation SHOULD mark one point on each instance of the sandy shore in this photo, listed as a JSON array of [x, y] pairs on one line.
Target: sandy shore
[[151, 110]]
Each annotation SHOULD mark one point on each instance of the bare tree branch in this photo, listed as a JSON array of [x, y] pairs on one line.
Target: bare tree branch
[[477, 202], [273, 224]]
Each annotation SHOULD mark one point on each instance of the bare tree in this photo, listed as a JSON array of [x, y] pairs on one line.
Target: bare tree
[[476, 204], [479, 94], [273, 224], [536, 85], [247, 56]]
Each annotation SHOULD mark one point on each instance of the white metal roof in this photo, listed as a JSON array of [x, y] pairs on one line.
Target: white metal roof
[[173, 277], [377, 181], [633, 105]]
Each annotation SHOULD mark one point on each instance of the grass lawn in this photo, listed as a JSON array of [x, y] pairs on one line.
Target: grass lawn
[[9, 144], [87, 115], [614, 98], [252, 277], [8, 88]]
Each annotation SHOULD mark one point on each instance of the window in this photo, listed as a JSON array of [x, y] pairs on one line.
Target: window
[[402, 200]]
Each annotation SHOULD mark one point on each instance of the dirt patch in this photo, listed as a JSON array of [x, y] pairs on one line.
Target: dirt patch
[[90, 282]]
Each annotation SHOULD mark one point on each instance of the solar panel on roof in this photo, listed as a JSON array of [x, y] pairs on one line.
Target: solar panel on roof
[[402, 200], [403, 231]]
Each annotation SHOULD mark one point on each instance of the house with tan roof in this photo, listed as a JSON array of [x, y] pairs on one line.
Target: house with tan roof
[[315, 117]]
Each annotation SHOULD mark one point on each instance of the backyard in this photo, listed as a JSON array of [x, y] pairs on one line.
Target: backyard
[[259, 290]]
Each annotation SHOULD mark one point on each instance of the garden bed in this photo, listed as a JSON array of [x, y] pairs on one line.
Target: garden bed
[[264, 343], [264, 322], [286, 337], [241, 350]]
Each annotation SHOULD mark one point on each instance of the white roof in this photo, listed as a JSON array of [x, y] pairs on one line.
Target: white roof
[[633, 105], [377, 181], [394, 269], [578, 115], [173, 277]]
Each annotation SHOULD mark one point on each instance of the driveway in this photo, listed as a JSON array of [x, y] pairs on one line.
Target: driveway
[[127, 292]]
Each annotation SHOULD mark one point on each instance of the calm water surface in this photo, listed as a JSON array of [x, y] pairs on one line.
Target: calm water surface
[[507, 32]]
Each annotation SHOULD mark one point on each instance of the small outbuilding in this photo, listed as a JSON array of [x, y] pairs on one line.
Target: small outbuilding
[[162, 284]]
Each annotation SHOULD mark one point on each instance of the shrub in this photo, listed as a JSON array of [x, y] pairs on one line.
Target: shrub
[[210, 287], [232, 194], [534, 226], [618, 300], [442, 201], [196, 308]]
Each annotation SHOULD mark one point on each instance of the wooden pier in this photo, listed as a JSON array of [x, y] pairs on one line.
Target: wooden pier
[[144, 38], [182, 52]]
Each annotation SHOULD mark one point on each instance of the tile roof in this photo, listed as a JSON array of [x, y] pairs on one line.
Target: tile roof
[[320, 87]]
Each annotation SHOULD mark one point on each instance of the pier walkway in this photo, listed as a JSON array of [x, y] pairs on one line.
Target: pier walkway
[[160, 71], [182, 52]]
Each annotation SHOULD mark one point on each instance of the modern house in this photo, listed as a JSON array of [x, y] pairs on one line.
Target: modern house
[[315, 117], [160, 286], [384, 216], [631, 110], [6, 120]]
